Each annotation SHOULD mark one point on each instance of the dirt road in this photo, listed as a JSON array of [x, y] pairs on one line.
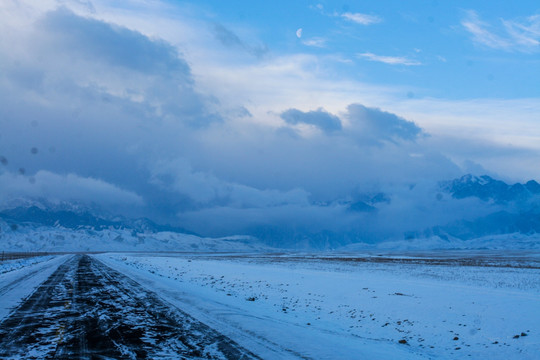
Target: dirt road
[[86, 310]]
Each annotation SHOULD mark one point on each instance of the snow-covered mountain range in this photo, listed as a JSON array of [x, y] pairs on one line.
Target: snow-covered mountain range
[[515, 208], [76, 218], [69, 227], [495, 215], [488, 189]]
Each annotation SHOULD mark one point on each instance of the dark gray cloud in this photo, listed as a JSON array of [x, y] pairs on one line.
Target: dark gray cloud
[[65, 188], [99, 102], [368, 125], [105, 61], [319, 118], [381, 125], [118, 46]]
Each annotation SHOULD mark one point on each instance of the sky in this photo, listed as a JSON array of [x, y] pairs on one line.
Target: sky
[[252, 117]]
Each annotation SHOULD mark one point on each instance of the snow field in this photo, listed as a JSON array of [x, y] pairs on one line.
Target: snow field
[[11, 265], [319, 310]]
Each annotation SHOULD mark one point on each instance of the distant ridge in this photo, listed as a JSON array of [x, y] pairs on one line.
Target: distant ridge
[[463, 209], [486, 188], [82, 219]]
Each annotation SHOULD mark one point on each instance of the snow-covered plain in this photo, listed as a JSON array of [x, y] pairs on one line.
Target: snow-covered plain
[[335, 307], [512, 241], [15, 264]]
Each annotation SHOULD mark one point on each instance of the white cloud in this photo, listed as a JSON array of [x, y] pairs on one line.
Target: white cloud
[[362, 19], [391, 60], [525, 33], [481, 34], [515, 35], [480, 130], [315, 42], [299, 33]]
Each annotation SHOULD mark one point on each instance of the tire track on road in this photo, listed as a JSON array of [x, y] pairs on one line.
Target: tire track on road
[[87, 310]]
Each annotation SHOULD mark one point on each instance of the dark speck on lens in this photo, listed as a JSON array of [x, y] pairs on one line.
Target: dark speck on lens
[[22, 171], [34, 150], [32, 180], [3, 160], [52, 149], [34, 123]]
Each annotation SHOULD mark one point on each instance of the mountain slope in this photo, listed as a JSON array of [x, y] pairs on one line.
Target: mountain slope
[[81, 219], [71, 228]]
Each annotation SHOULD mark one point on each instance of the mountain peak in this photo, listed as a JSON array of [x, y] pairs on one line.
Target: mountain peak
[[486, 188]]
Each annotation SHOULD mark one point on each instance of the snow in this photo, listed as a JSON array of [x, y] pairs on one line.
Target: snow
[[51, 239], [19, 278], [512, 241], [11, 265], [291, 306]]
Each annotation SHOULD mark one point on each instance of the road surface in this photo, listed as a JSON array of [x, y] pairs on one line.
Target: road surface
[[86, 310]]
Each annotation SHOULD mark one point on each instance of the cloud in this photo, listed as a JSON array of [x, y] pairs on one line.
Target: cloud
[[381, 125], [391, 60], [362, 19], [525, 33], [315, 42], [199, 138], [514, 35], [319, 118], [228, 38], [287, 225], [207, 190], [411, 209], [117, 46], [96, 56], [299, 33], [97, 100], [481, 34], [58, 188]]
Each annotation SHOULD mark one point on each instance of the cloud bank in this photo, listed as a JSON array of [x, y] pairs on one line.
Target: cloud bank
[[94, 112], [70, 188]]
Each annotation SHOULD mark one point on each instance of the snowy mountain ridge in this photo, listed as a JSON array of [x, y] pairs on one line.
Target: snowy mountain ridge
[[486, 188], [513, 241], [80, 218], [60, 239], [484, 212]]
